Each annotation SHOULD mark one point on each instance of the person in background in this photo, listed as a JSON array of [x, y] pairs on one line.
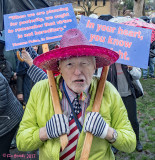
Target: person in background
[[24, 83], [11, 57], [105, 17], [78, 17], [40, 50], [5, 66], [121, 76], [6, 70], [151, 61], [8, 62], [35, 73], [11, 113], [152, 20], [76, 60], [35, 48], [145, 18]]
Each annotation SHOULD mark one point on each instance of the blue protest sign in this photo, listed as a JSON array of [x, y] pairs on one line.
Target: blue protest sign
[[38, 26], [131, 43]]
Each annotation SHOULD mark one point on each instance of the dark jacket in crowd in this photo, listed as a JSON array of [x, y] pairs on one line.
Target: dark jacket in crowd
[[11, 110], [24, 83], [5, 68], [11, 57]]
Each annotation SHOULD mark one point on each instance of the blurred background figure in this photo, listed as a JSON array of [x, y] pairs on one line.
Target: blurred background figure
[[35, 73], [93, 16], [11, 57], [24, 83], [11, 113], [78, 17], [5, 66], [40, 50], [152, 20], [121, 76], [149, 72], [145, 18], [8, 63], [35, 48], [105, 17], [11, 61]]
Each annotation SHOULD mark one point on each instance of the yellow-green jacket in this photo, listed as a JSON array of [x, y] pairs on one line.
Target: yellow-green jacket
[[40, 109]]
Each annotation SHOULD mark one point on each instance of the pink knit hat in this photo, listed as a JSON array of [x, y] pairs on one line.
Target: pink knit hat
[[75, 44]]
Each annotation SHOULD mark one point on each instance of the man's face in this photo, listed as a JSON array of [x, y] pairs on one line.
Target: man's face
[[35, 48], [78, 72]]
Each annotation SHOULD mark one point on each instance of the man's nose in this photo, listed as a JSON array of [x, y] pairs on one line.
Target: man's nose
[[77, 70]]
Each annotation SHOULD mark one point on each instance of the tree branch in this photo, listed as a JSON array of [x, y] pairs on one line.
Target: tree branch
[[96, 8]]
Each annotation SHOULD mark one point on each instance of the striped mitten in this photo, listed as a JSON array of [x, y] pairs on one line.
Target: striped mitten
[[96, 125], [57, 126]]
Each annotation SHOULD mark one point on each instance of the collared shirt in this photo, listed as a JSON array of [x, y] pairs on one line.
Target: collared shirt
[[66, 109]]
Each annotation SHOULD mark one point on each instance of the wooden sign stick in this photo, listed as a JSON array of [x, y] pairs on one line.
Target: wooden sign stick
[[96, 108], [54, 96]]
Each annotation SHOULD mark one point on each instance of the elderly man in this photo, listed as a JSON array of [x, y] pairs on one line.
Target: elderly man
[[40, 128]]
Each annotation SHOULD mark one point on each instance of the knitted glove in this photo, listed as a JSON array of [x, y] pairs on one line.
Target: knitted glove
[[57, 126], [96, 125]]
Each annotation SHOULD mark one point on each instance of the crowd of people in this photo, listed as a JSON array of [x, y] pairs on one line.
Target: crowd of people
[[27, 110]]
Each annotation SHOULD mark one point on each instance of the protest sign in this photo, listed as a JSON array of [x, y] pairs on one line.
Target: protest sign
[[38, 26], [131, 43]]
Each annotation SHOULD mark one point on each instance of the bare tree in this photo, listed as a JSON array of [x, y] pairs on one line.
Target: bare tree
[[85, 4], [138, 8], [58, 2], [88, 4]]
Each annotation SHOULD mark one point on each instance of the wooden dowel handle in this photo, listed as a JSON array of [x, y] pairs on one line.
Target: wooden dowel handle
[[96, 108], [54, 92], [19, 57], [100, 90], [55, 98]]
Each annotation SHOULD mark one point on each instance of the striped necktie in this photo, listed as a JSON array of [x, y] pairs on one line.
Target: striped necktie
[[70, 150]]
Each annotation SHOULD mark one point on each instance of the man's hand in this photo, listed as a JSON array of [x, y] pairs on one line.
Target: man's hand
[[130, 68], [57, 126], [27, 58], [15, 76], [20, 97], [96, 125]]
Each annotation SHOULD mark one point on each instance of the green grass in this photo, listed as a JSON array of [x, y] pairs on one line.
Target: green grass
[[146, 117]]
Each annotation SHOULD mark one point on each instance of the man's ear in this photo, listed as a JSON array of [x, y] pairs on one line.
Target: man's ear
[[59, 68]]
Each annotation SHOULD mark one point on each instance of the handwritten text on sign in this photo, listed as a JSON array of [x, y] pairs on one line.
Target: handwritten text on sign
[[38, 26], [131, 43]]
